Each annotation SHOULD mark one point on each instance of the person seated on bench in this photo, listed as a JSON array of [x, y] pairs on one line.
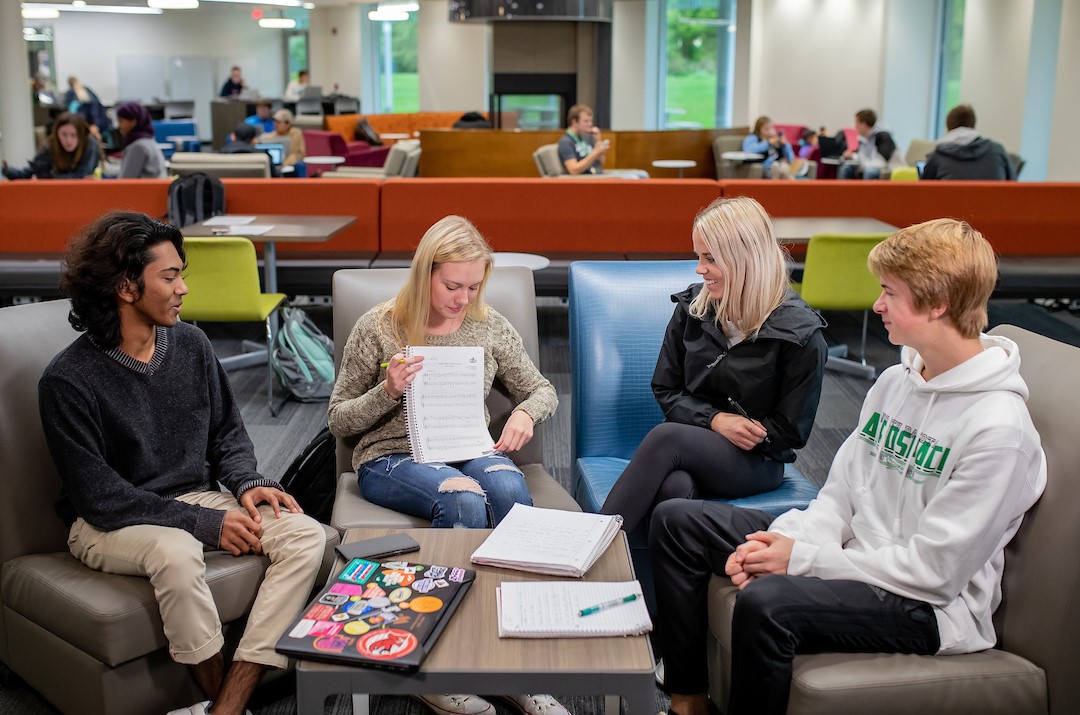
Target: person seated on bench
[[141, 422], [581, 150], [142, 157], [440, 304], [876, 152], [902, 551], [779, 155], [740, 341], [962, 154], [285, 133], [261, 119], [241, 140]]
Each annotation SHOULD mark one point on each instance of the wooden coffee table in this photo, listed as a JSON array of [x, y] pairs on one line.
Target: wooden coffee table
[[469, 656]]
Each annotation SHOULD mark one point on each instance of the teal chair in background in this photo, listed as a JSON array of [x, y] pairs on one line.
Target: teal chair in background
[[835, 277], [223, 287]]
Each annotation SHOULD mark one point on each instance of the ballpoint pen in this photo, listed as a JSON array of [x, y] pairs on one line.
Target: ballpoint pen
[[741, 411], [608, 604], [387, 364]]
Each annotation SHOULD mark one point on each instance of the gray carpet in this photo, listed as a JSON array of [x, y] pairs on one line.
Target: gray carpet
[[278, 439]]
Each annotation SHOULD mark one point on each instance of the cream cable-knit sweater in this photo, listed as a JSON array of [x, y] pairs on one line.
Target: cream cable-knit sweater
[[360, 405]]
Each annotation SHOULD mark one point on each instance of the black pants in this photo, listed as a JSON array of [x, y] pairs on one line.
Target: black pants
[[680, 461], [776, 617]]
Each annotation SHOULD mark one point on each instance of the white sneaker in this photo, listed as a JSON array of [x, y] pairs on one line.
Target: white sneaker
[[658, 672], [537, 705], [457, 704], [202, 708]]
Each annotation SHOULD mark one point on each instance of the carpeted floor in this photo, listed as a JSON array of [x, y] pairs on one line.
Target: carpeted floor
[[278, 439]]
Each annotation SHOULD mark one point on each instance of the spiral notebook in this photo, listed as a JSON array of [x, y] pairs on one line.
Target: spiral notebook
[[444, 405], [548, 541], [552, 609]]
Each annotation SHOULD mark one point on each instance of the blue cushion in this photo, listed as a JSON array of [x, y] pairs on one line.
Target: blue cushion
[[594, 477]]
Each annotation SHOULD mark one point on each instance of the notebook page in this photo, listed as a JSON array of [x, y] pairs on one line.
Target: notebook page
[[444, 405], [541, 609], [533, 536]]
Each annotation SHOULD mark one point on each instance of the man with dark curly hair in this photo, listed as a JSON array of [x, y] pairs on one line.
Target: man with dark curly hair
[[142, 424]]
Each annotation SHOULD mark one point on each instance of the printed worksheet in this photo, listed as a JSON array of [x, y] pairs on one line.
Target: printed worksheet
[[444, 405]]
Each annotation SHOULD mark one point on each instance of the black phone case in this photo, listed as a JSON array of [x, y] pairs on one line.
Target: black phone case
[[378, 547]]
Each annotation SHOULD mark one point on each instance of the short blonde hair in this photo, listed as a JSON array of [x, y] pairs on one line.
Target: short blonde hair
[[942, 262], [452, 239], [739, 235]]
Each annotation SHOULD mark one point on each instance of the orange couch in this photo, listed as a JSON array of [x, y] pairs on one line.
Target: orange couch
[[406, 123], [550, 215], [1017, 218]]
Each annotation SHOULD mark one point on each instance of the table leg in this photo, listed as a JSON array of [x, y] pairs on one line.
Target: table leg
[[270, 266]]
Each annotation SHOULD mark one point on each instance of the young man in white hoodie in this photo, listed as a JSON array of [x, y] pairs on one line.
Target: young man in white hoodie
[[903, 549]]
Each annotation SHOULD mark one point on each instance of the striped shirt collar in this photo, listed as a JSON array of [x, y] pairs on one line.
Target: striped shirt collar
[[161, 344]]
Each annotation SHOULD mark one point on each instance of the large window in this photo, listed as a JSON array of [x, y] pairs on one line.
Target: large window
[[296, 46], [394, 33], [952, 52], [698, 84]]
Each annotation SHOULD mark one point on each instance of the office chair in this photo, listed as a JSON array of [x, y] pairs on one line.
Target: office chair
[[835, 277], [223, 287]]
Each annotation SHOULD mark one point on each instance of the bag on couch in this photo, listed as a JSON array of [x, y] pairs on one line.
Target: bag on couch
[[194, 198]]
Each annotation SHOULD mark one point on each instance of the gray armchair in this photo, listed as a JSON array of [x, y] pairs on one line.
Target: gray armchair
[[88, 642], [733, 168], [403, 160], [1033, 669], [250, 166], [510, 291]]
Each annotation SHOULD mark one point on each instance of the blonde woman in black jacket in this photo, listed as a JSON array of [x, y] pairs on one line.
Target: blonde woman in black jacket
[[738, 376]]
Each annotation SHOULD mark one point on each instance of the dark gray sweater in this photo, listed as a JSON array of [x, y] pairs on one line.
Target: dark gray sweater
[[128, 436]]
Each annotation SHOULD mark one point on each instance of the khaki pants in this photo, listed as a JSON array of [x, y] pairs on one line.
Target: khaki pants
[[173, 561]]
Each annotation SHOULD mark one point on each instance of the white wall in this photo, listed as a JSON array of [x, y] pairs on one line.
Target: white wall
[[815, 62], [997, 42], [334, 49], [452, 60], [634, 63], [1063, 161], [88, 45], [909, 62]]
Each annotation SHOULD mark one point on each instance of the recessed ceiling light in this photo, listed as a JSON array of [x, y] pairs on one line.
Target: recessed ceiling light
[[40, 13], [388, 16], [173, 4]]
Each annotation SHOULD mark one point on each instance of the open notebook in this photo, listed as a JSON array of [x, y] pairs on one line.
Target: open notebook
[[552, 609], [549, 541]]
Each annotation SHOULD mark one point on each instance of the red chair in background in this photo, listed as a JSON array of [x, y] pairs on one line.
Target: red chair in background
[[318, 142]]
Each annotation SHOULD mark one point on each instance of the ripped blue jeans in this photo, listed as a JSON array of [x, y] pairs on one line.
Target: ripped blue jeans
[[476, 494]]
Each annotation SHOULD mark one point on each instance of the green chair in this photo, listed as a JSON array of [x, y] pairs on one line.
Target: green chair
[[835, 277], [905, 173], [223, 287]]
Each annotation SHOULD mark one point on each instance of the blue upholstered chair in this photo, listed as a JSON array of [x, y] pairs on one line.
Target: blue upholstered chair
[[618, 313]]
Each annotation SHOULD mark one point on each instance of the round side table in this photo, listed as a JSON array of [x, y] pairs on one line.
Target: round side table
[[679, 164]]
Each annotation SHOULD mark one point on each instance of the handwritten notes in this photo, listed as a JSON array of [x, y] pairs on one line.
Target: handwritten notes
[[444, 405], [550, 609]]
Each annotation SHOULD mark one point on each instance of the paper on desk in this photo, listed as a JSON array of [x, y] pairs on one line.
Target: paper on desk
[[250, 230], [228, 220]]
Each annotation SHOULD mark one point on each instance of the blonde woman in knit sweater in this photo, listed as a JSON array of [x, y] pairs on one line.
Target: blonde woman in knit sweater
[[440, 304]]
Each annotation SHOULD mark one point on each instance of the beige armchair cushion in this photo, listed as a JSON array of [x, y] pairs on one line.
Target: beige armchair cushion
[[255, 165]]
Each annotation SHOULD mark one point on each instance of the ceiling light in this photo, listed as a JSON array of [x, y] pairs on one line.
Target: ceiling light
[[173, 4], [399, 7], [309, 6], [388, 16], [116, 9], [277, 23], [78, 3], [40, 13], [276, 3]]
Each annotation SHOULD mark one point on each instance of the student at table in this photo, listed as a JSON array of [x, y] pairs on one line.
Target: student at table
[[261, 119], [776, 149], [285, 133], [69, 152], [235, 83], [441, 303], [295, 89], [142, 157], [738, 376]]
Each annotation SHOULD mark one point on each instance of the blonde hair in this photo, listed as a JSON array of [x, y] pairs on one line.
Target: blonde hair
[[450, 240], [739, 235], [942, 262]]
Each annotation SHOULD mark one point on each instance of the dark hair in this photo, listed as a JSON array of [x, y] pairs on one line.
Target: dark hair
[[264, 103], [867, 117], [116, 247], [144, 125], [808, 134], [244, 132], [962, 115], [63, 161]]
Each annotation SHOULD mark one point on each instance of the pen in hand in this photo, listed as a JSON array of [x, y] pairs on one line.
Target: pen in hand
[[607, 604], [741, 411], [387, 364]]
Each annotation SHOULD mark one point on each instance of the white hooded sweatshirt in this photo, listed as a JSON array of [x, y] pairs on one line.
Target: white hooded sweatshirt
[[924, 495]]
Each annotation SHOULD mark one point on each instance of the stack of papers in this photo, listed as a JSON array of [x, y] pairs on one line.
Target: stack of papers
[[548, 541]]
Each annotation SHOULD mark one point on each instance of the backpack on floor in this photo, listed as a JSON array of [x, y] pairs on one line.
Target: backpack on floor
[[303, 357], [194, 198], [312, 476]]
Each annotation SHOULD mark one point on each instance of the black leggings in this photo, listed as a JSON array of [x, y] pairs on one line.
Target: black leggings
[[680, 461]]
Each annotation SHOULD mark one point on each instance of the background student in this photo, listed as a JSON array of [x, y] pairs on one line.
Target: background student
[[142, 157], [70, 152], [743, 335], [778, 152]]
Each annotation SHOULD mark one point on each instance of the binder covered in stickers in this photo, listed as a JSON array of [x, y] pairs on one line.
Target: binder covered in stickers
[[378, 615]]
